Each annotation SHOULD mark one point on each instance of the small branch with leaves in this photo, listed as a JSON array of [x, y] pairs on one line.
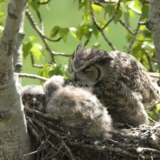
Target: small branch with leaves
[[101, 29]]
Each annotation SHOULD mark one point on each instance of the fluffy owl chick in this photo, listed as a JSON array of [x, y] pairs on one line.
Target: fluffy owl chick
[[54, 83], [118, 80], [80, 111], [33, 97]]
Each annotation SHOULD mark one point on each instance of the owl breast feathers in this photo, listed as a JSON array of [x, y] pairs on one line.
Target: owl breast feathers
[[118, 80], [80, 111]]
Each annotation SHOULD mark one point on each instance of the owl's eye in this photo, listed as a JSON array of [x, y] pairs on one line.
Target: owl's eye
[[40, 97], [28, 97], [88, 69]]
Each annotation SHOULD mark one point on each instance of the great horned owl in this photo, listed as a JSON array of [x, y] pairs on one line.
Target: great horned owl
[[33, 97], [118, 80], [80, 111]]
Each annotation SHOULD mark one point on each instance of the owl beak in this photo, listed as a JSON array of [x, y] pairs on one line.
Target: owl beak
[[75, 77], [33, 101]]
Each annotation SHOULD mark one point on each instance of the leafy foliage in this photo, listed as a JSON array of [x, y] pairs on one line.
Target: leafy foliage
[[97, 20], [105, 24]]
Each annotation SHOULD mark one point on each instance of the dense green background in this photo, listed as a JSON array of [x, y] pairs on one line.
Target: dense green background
[[74, 13], [67, 14]]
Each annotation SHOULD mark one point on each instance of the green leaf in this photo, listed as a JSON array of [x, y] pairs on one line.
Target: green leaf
[[137, 51], [44, 71], [56, 70], [64, 33], [135, 6], [158, 108], [49, 70], [26, 49], [109, 9], [84, 30], [82, 4], [73, 32], [37, 50], [54, 31], [32, 38], [145, 11], [34, 4], [147, 46], [96, 8], [151, 114], [119, 15], [124, 7]]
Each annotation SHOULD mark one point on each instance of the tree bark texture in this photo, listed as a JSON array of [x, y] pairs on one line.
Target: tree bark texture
[[14, 139], [153, 25]]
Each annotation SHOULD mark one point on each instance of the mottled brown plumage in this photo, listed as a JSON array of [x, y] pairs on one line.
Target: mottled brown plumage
[[119, 81]]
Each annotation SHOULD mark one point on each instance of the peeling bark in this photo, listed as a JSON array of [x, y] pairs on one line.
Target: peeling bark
[[14, 139]]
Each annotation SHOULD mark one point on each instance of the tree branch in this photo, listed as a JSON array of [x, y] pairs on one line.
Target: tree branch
[[154, 24], [99, 28], [26, 75], [33, 23], [126, 27], [134, 37], [32, 61], [114, 15], [14, 137]]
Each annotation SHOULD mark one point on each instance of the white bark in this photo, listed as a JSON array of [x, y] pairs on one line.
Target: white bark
[[18, 54], [14, 139], [17, 61], [154, 25]]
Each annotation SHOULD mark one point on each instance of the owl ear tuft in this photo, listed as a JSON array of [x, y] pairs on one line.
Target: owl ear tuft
[[80, 47], [78, 50]]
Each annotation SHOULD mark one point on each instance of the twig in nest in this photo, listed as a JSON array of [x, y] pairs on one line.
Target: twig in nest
[[135, 143]]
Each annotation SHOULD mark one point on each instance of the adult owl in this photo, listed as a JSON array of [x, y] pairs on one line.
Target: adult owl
[[33, 97], [80, 112], [118, 80]]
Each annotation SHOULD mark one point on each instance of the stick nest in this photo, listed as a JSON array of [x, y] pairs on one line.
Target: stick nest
[[51, 141]]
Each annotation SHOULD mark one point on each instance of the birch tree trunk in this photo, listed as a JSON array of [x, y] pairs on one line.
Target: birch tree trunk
[[153, 25], [14, 139]]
